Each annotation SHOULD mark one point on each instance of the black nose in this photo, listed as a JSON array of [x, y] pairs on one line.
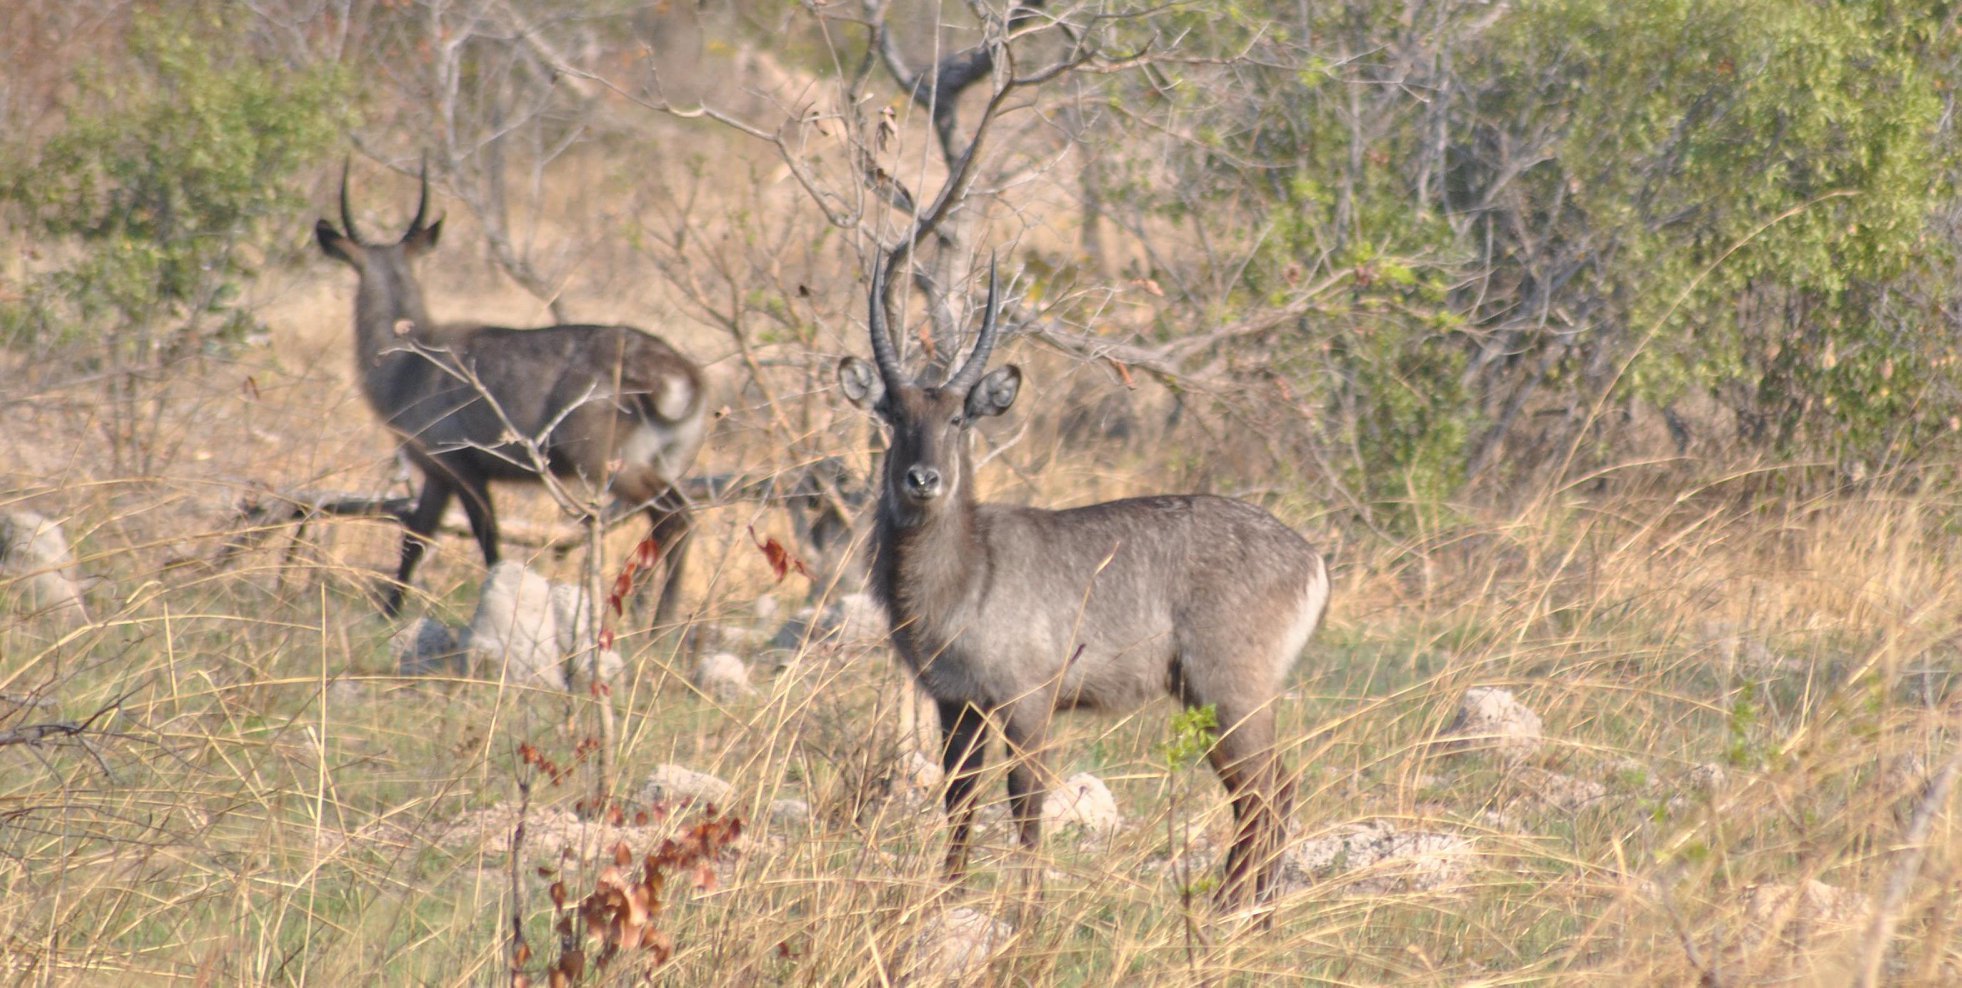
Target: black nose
[[922, 482]]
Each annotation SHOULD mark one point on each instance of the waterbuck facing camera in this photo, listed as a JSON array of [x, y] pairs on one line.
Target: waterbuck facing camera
[[1009, 614], [612, 405]]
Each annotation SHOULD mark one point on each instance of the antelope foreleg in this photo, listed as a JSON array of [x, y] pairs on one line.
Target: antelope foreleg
[[964, 738], [430, 505]]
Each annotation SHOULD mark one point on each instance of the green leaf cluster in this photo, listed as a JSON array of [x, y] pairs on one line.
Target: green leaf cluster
[[154, 195], [1544, 211], [1192, 734], [1758, 179]]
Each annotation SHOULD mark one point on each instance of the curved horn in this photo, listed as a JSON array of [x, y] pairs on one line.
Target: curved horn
[[347, 213], [422, 202], [881, 340], [984, 344]]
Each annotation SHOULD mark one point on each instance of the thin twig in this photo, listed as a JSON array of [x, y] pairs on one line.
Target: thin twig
[[1914, 848]]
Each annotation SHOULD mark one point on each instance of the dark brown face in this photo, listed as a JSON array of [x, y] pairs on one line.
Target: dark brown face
[[386, 264], [364, 257], [926, 464]]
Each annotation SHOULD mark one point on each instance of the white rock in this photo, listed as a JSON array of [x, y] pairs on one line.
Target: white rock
[[920, 772], [1739, 650], [1082, 807], [722, 677], [573, 619], [516, 629], [916, 782], [1084, 804], [535, 631], [1390, 860], [1708, 777], [730, 637], [790, 812], [610, 667], [576, 640], [855, 619], [1492, 719], [671, 784], [426, 648], [1564, 792], [957, 946], [1796, 913], [858, 618], [36, 561]]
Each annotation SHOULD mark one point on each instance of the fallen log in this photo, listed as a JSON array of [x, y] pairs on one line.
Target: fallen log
[[821, 495], [261, 515]]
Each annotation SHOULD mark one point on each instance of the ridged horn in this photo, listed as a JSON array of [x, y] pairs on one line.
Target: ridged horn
[[347, 212], [882, 353], [984, 345], [422, 202]]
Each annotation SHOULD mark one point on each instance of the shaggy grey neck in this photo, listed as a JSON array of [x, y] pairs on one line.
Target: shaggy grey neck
[[388, 316], [929, 573]]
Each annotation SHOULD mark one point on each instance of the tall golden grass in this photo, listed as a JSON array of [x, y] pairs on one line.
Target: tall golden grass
[[1748, 697], [1761, 688]]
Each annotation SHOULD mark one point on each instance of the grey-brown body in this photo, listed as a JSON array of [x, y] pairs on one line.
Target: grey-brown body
[[1009, 614], [1106, 606], [473, 403]]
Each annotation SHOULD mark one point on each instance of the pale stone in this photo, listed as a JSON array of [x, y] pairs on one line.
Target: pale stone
[[1796, 912], [515, 630], [1383, 859], [610, 667], [534, 631], [672, 784], [790, 812], [722, 677], [1084, 804], [427, 648], [958, 945], [1492, 719], [854, 619], [36, 560]]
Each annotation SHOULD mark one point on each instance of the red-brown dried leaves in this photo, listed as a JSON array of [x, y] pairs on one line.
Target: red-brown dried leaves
[[645, 554], [623, 911], [556, 773], [781, 561]]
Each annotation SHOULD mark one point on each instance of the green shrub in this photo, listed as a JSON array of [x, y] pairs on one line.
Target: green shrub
[[162, 178]]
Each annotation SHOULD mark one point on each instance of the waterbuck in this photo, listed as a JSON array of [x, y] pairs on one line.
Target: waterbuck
[[1009, 614], [609, 404]]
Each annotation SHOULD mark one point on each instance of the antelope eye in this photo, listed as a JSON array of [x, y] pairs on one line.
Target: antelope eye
[[956, 420]]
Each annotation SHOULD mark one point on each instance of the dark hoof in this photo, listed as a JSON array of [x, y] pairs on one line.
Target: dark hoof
[[387, 594]]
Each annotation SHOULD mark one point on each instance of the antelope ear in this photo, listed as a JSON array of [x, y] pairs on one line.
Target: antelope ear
[[995, 393], [416, 243], [336, 244], [861, 383]]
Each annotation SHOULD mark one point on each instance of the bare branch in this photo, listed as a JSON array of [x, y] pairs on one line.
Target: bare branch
[[1169, 361], [1914, 847], [39, 734]]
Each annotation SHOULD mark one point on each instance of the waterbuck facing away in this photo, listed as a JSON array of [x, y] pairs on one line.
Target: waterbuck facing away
[[608, 404], [1008, 614]]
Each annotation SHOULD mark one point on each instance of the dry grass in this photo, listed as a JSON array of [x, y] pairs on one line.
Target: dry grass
[[1761, 687]]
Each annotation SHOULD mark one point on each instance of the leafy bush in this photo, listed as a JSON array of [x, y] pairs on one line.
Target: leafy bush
[[1562, 208], [163, 176], [1755, 182]]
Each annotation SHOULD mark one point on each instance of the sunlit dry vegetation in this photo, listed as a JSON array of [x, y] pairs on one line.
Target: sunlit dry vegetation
[[1607, 350]]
